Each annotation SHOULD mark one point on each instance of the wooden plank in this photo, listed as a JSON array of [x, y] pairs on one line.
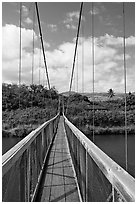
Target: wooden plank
[[46, 189], [61, 186], [58, 194], [57, 189]]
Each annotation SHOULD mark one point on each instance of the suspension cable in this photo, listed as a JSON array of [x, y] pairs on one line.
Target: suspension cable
[[20, 51], [72, 73], [74, 82], [77, 70], [93, 65], [42, 44], [80, 14], [33, 44], [125, 83]]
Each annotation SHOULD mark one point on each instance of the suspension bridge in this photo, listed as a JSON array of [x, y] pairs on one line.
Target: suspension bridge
[[56, 162]]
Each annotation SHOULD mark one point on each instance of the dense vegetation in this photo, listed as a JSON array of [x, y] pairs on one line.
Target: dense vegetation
[[109, 116], [27, 96], [26, 107]]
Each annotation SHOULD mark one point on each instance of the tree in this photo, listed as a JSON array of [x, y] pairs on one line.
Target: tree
[[111, 93]]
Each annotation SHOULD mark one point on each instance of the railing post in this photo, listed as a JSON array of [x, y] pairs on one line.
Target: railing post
[[43, 146], [23, 177], [28, 174], [86, 176], [113, 194]]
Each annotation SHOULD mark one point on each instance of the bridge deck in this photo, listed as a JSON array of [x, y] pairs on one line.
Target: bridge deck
[[59, 184]]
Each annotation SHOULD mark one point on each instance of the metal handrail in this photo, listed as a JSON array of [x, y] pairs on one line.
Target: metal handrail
[[24, 163], [121, 180], [11, 156]]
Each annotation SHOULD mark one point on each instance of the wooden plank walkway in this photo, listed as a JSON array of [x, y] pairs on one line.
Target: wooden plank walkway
[[59, 184]]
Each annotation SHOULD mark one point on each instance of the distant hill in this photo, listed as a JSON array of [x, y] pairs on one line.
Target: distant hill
[[67, 93], [98, 96], [102, 96]]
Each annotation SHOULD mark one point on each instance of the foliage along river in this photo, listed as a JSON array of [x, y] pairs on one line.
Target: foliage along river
[[113, 145]]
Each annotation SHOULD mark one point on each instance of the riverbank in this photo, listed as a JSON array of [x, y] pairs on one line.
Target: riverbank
[[23, 130], [109, 115], [19, 131], [88, 130]]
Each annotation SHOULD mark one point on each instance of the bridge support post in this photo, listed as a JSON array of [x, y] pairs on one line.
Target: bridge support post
[[86, 199], [23, 176], [28, 175], [113, 194], [42, 145]]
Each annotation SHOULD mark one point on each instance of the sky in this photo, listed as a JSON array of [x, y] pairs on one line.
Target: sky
[[59, 22]]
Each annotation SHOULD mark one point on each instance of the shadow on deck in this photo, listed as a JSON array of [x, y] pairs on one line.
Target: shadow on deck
[[59, 182]]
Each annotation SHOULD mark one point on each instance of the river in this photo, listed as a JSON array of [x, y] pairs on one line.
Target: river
[[9, 142], [113, 145]]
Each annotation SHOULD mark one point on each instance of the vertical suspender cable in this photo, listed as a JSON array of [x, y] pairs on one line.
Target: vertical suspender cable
[[93, 63], [32, 80], [42, 44], [125, 82], [80, 15], [20, 53], [83, 58], [43, 77], [39, 75], [33, 45], [39, 61]]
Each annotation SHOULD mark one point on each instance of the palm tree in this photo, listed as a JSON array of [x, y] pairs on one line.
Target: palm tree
[[111, 93]]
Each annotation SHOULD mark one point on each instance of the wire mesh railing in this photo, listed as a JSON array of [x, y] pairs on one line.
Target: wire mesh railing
[[100, 179], [23, 164]]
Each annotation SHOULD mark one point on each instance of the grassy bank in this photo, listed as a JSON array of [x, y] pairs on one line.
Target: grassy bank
[[19, 123], [39, 105], [109, 116], [107, 130], [19, 131]]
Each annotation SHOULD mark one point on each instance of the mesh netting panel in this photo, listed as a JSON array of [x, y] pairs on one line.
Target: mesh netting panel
[[118, 197], [39, 153], [99, 188], [33, 169], [11, 184], [82, 153]]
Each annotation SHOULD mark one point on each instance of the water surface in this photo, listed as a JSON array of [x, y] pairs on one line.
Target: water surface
[[114, 146]]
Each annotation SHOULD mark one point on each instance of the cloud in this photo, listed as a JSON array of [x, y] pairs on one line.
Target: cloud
[[108, 62], [95, 11], [98, 8], [53, 27], [73, 16], [71, 20], [110, 40], [46, 44], [28, 20], [70, 26], [10, 41], [25, 11], [25, 15]]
